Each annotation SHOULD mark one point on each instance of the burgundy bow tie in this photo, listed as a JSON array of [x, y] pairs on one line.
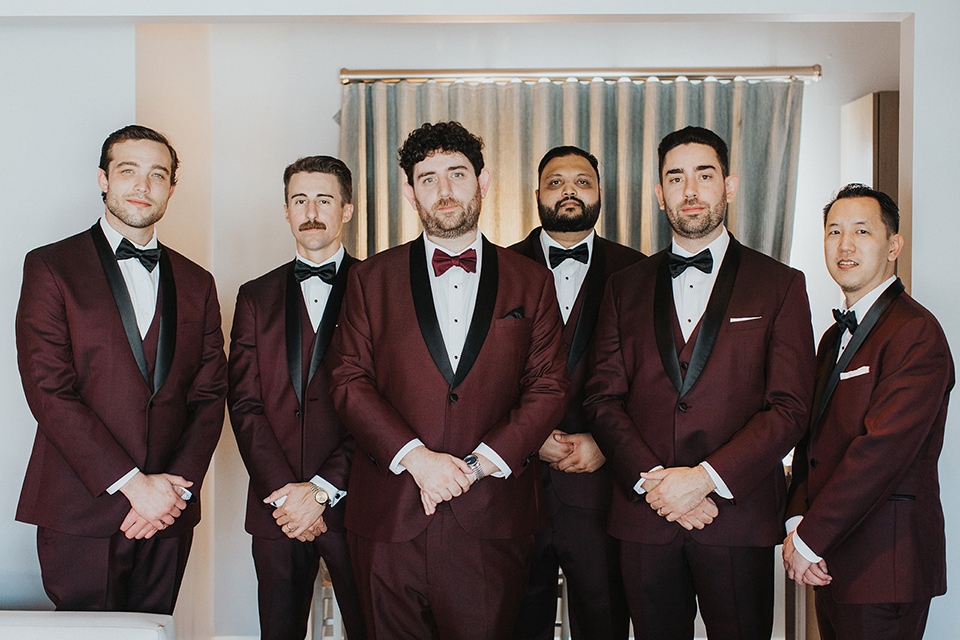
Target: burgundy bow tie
[[466, 261]]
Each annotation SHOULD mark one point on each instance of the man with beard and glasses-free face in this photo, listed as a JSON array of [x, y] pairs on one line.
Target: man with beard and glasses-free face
[[292, 441], [865, 520], [577, 483], [451, 376], [121, 357], [701, 381]]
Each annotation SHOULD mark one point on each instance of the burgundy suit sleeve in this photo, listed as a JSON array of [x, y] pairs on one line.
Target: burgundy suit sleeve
[[915, 373], [261, 451], [378, 427], [606, 391], [49, 377], [205, 398], [543, 389], [759, 446]]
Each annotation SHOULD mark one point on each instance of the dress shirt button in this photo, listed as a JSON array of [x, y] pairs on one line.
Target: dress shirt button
[[684, 365], [682, 406], [454, 397]]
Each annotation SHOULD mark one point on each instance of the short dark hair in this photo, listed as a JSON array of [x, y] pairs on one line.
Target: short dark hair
[[443, 137], [695, 135], [889, 212], [563, 152], [137, 132], [322, 164]]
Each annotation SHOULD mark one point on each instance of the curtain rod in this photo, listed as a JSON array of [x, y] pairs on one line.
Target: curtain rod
[[349, 76]]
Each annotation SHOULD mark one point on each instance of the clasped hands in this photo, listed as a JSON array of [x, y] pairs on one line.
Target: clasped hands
[[572, 452], [802, 570], [679, 494], [300, 516], [155, 503], [441, 476]]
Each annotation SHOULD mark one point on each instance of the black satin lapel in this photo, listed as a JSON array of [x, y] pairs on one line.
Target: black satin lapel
[[118, 287], [331, 313], [294, 330], [825, 368], [592, 290], [482, 312], [856, 341], [534, 248], [713, 317], [663, 312], [167, 342], [426, 313]]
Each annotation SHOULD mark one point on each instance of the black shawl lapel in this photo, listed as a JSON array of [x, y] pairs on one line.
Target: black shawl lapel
[[592, 289], [426, 313], [118, 287], [856, 341], [167, 342], [663, 312], [331, 314], [294, 332], [482, 312]]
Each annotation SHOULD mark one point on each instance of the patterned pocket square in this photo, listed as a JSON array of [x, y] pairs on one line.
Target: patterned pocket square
[[856, 372]]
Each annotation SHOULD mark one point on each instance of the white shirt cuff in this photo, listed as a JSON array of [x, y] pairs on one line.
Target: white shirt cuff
[[492, 456], [793, 523], [336, 495], [639, 486], [804, 550], [116, 486], [721, 489], [395, 465]]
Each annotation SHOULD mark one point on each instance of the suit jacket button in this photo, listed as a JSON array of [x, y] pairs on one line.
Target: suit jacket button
[[454, 397], [813, 463], [682, 406], [684, 365], [296, 412]]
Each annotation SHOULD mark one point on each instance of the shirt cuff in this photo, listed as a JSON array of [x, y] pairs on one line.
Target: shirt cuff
[[721, 489], [793, 523], [639, 486], [336, 495], [804, 550], [395, 465], [116, 486], [492, 456]]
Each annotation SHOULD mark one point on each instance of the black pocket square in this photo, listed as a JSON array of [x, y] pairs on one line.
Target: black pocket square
[[516, 313]]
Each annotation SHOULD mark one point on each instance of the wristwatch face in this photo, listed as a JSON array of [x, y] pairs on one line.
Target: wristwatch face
[[322, 496], [471, 460]]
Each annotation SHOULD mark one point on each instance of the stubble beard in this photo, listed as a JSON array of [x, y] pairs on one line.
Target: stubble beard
[[453, 225], [700, 227], [117, 205]]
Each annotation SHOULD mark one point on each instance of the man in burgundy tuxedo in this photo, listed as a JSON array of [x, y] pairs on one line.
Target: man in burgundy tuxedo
[[451, 377], [121, 357], [294, 445], [577, 484], [701, 381], [866, 525]]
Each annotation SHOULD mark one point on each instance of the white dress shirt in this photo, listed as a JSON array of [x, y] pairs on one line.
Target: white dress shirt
[[569, 275], [316, 291], [454, 298]]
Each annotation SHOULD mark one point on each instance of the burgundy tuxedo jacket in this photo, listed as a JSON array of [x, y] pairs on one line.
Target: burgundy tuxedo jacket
[[280, 407], [867, 484], [394, 383], [99, 411], [737, 394], [584, 490]]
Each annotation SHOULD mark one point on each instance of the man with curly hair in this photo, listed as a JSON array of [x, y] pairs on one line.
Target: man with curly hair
[[451, 376]]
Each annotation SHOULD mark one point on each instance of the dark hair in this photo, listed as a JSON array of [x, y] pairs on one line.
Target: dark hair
[[563, 152], [322, 164], [444, 137], [137, 132], [889, 212], [695, 135]]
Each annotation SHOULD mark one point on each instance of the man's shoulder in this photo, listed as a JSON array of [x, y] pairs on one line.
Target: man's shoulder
[[267, 282], [384, 263], [905, 310], [618, 255], [510, 261], [65, 249], [529, 245], [185, 267]]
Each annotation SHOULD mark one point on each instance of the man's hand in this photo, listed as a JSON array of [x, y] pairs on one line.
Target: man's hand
[[585, 457], [440, 476], [680, 489], [135, 526], [802, 570], [155, 497], [300, 513], [700, 516], [555, 449]]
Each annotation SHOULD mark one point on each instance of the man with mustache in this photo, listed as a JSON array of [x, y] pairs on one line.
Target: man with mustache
[[292, 441], [577, 483], [701, 381], [451, 376], [121, 358]]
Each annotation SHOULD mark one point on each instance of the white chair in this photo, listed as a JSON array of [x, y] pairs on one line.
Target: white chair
[[85, 625]]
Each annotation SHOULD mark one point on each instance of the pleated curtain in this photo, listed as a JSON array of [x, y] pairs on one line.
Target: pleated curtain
[[620, 122]]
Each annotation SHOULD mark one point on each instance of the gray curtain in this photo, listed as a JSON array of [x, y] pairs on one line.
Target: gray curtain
[[619, 122]]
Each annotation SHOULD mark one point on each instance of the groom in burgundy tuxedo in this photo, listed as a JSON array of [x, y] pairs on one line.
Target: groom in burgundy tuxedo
[[866, 524], [121, 357], [451, 376], [701, 382], [294, 445]]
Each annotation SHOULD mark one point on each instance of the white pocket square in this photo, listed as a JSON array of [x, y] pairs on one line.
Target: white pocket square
[[856, 372], [745, 319]]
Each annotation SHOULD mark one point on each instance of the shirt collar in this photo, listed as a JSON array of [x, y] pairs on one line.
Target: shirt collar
[[546, 242], [114, 237], [718, 248], [862, 306], [336, 259]]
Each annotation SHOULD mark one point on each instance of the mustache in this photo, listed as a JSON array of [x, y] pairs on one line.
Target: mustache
[[570, 199], [446, 202], [313, 224]]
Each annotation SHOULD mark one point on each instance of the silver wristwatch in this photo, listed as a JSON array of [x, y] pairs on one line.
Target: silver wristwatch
[[474, 463]]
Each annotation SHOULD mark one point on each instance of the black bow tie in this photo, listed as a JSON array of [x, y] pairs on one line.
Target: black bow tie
[[679, 264], [846, 319], [326, 272], [580, 253], [147, 257]]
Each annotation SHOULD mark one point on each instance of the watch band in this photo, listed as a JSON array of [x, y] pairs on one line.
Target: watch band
[[316, 490], [474, 462]]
